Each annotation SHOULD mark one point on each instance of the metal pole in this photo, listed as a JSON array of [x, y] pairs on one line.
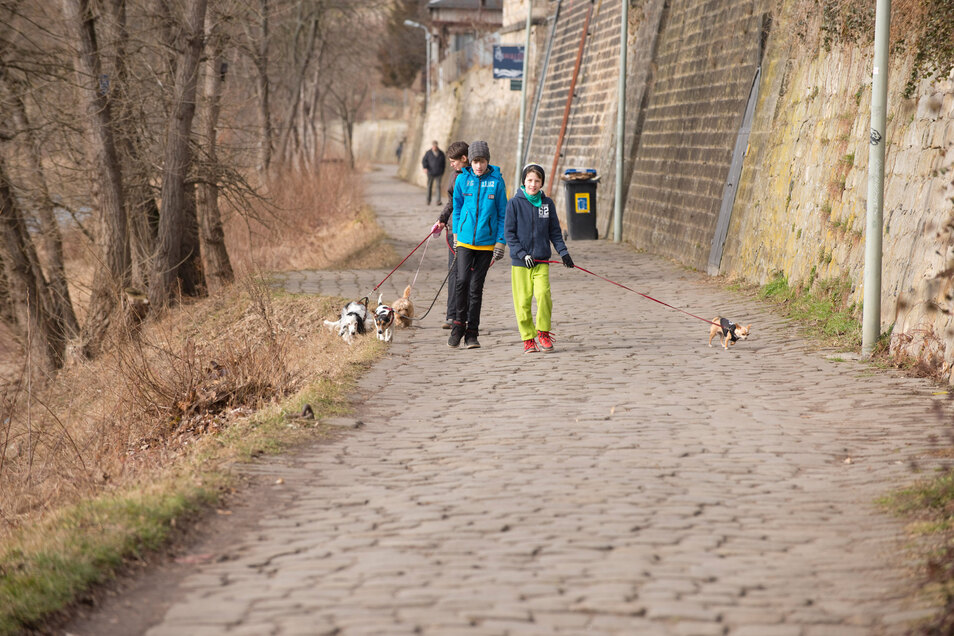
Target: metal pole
[[523, 101], [543, 75], [871, 314], [427, 67], [621, 123], [427, 58]]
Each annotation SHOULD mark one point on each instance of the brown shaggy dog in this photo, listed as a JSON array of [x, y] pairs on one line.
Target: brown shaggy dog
[[404, 309]]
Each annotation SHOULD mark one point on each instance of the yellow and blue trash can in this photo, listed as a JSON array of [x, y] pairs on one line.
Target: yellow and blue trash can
[[579, 189]]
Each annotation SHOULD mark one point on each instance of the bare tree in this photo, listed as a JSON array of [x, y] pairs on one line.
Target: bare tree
[[25, 285], [289, 143], [113, 268], [112, 101], [49, 227], [349, 82], [174, 255], [256, 48], [143, 211], [215, 258], [348, 96]]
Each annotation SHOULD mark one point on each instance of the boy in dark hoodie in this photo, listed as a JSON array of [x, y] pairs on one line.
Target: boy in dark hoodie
[[531, 225], [480, 204]]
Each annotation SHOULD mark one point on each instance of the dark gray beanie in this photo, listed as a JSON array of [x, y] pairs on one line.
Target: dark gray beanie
[[479, 150]]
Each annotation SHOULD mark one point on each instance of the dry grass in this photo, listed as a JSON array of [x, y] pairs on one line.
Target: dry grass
[[132, 440], [109, 422], [137, 409], [102, 464], [313, 221]]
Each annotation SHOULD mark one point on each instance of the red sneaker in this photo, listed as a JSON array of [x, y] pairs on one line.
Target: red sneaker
[[546, 341], [530, 346]]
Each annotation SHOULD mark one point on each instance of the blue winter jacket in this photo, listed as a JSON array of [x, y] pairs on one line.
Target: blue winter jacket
[[531, 229], [480, 205]]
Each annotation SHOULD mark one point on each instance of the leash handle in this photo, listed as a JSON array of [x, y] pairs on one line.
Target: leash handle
[[636, 292]]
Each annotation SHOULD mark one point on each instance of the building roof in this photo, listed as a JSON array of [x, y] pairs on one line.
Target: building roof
[[492, 5]]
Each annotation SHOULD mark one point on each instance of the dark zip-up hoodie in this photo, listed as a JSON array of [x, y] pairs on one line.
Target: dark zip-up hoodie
[[530, 229]]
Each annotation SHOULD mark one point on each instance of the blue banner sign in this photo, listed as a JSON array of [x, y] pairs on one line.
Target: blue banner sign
[[508, 62]]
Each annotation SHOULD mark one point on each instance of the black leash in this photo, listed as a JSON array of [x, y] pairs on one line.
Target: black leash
[[440, 289]]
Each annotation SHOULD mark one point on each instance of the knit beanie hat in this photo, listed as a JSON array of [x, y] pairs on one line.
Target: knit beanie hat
[[533, 167], [479, 150]]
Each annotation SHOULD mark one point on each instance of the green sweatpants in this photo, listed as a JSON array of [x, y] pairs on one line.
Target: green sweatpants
[[526, 285]]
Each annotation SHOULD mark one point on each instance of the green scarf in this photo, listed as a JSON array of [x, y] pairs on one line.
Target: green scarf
[[535, 199]]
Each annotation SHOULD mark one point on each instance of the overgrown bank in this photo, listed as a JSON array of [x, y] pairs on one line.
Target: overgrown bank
[[109, 459], [219, 392]]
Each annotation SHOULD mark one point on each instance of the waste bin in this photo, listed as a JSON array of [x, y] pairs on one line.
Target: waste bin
[[579, 190]]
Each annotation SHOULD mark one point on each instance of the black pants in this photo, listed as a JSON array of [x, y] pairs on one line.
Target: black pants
[[434, 182], [451, 281], [472, 266]]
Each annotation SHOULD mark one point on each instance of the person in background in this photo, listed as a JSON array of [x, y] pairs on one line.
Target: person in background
[[530, 226], [480, 204], [433, 165], [457, 156]]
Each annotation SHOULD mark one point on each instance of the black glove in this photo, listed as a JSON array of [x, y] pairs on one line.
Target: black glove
[[528, 261], [498, 251], [567, 261]]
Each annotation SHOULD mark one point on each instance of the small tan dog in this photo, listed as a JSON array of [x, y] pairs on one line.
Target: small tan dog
[[404, 309], [727, 331]]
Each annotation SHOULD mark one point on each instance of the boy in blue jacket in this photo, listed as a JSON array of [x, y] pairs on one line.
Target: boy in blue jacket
[[457, 155], [531, 225], [480, 204]]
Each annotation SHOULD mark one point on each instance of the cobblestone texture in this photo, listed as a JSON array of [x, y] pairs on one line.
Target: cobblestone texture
[[633, 482]]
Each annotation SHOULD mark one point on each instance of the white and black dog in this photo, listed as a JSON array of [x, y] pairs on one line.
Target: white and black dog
[[355, 319], [384, 321]]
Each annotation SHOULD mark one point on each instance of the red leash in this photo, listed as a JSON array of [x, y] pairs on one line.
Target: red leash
[[636, 292], [401, 263]]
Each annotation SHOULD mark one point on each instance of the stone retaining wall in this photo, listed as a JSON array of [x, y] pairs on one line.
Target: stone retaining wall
[[593, 107], [800, 206], [802, 199], [706, 60]]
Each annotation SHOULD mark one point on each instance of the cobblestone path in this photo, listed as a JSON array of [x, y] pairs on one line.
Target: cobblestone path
[[633, 482]]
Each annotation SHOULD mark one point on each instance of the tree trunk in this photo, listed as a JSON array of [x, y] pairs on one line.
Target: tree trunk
[[173, 261], [191, 274], [6, 305], [27, 292], [297, 90], [49, 227], [141, 202], [265, 117], [215, 258], [112, 271]]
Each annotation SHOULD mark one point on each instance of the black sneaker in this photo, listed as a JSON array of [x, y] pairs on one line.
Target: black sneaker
[[470, 340], [456, 334]]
